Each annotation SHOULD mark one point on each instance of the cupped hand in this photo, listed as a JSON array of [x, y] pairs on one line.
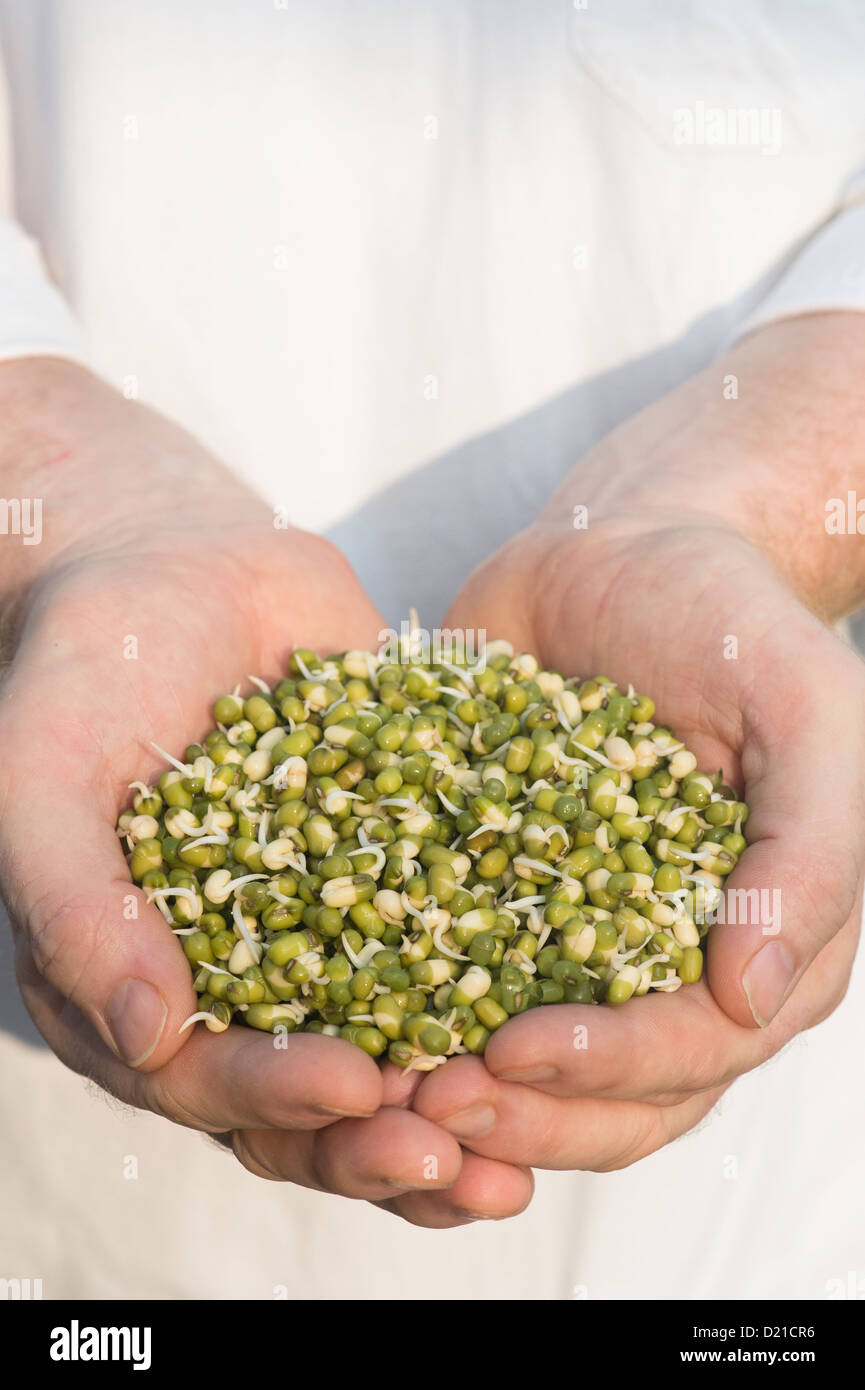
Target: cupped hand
[[696, 617], [172, 588]]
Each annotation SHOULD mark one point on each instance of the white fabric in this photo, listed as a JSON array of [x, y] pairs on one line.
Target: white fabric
[[34, 318], [828, 275], [381, 256]]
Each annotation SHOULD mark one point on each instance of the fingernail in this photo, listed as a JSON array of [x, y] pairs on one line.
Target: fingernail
[[470, 1123], [767, 981], [528, 1074], [343, 1114], [135, 1015]]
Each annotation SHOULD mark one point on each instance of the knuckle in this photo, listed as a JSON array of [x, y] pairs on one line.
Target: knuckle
[[248, 1152], [545, 1144], [644, 1137], [668, 1100], [155, 1092], [703, 1070], [320, 1156]]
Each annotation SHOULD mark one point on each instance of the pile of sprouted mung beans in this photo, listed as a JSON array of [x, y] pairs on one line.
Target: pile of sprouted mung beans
[[408, 853]]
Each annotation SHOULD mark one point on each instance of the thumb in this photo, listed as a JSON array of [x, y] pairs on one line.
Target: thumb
[[498, 600], [91, 932], [796, 886]]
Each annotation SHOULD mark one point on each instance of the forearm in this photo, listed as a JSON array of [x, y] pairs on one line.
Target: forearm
[[759, 442], [81, 468]]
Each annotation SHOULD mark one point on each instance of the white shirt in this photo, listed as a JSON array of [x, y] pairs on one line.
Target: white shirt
[[379, 255]]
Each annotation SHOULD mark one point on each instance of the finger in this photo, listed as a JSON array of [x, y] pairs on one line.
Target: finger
[[395, 1151], [93, 935], [660, 1048], [398, 1085], [522, 1126], [240, 1080], [656, 1048], [485, 1190], [495, 599], [796, 885], [327, 608], [237, 1079]]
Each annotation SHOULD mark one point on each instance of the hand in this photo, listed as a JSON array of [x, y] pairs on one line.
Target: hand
[[652, 593], [160, 582]]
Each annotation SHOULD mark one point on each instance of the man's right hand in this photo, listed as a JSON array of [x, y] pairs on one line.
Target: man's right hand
[[159, 583]]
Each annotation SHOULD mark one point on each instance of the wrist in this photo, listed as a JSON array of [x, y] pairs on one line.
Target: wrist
[[757, 444], [83, 469], [35, 447]]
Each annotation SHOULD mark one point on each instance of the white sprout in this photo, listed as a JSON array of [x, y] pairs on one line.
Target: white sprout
[[404, 802], [277, 896], [330, 803], [481, 830], [440, 945], [181, 767], [421, 1061], [670, 985], [593, 753], [214, 1024], [160, 894], [448, 805], [380, 858], [526, 964], [414, 911], [452, 718], [219, 839], [353, 957], [367, 952], [522, 861], [255, 949]]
